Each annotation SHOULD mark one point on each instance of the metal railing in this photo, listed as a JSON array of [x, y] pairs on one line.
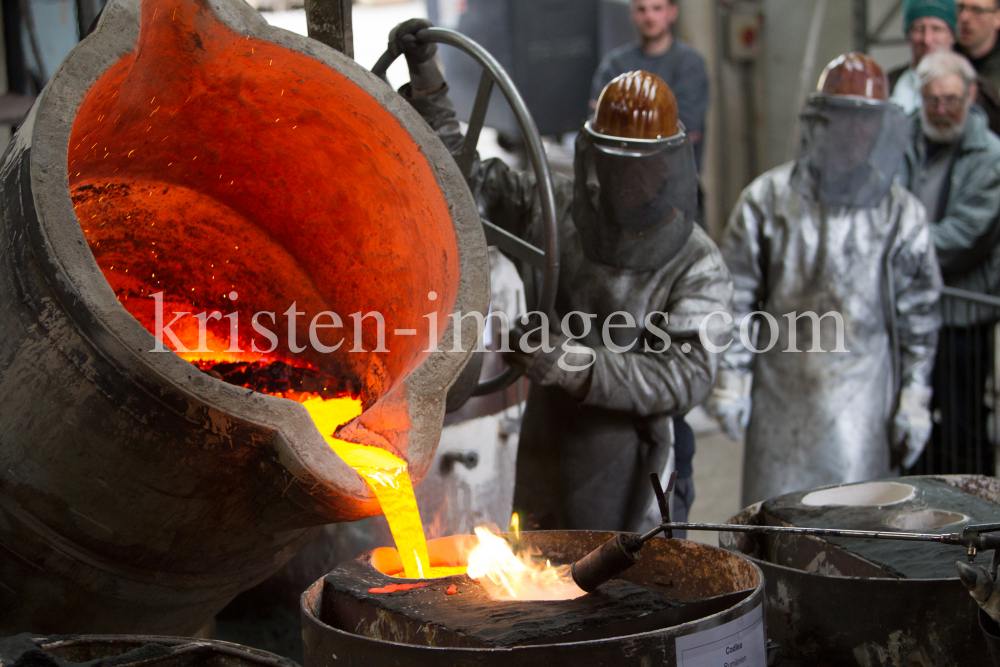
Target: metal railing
[[965, 384]]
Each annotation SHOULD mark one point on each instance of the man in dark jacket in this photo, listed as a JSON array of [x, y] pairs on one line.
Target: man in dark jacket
[[978, 22], [638, 283], [953, 165], [659, 52]]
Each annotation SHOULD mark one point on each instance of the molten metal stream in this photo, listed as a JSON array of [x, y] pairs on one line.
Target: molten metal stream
[[389, 480]]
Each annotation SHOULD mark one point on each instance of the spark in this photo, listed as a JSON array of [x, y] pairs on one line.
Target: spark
[[282, 93], [130, 153], [194, 158], [153, 100]]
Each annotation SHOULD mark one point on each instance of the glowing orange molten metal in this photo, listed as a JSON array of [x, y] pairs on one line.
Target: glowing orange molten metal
[[262, 189], [230, 173]]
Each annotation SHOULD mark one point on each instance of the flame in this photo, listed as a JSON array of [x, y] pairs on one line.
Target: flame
[[506, 576]]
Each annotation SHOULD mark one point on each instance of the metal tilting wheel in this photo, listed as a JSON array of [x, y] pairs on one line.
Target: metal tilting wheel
[[543, 261]]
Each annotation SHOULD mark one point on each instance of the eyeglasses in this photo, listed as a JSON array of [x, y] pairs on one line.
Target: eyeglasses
[[975, 10], [950, 102], [932, 29]]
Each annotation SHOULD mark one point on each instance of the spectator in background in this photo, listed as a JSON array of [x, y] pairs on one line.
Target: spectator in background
[[830, 235], [953, 166], [930, 26], [672, 60], [978, 22]]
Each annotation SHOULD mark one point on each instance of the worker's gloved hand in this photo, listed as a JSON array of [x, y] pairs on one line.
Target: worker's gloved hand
[[729, 402], [404, 37], [911, 426], [426, 73], [564, 362], [982, 586]]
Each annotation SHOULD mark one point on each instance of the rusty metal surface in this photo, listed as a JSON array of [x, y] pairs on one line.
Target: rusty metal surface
[[684, 570], [137, 494], [829, 616]]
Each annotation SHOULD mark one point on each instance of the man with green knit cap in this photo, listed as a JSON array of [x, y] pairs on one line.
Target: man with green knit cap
[[930, 26]]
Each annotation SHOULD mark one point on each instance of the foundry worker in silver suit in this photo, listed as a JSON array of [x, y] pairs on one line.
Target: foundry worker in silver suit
[[839, 265], [633, 264]]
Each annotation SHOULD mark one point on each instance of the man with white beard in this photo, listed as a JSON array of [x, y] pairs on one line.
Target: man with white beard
[[953, 165]]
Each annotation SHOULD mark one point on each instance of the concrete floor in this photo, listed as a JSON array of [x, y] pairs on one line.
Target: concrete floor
[[718, 469]]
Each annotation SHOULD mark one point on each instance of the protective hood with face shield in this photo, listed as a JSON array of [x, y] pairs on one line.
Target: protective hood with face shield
[[853, 138], [643, 213]]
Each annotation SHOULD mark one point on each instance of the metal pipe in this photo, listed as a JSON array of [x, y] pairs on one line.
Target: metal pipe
[[860, 26], [806, 74], [973, 538], [329, 21]]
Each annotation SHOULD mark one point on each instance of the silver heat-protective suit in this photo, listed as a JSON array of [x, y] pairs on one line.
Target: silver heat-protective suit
[[584, 459], [830, 234]]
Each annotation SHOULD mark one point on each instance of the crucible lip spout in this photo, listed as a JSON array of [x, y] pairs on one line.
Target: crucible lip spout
[[152, 493]]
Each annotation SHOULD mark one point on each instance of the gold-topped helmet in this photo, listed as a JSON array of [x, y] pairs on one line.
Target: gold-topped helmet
[[644, 163], [853, 138]]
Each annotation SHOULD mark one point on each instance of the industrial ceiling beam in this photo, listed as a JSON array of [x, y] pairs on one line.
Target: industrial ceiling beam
[[329, 21]]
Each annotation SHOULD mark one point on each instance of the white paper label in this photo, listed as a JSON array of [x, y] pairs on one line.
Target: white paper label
[[739, 643]]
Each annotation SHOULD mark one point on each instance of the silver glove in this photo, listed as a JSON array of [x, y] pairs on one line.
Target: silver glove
[[911, 425], [729, 402]]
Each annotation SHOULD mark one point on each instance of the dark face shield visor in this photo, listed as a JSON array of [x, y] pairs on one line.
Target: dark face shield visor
[[648, 194], [644, 182], [851, 149]]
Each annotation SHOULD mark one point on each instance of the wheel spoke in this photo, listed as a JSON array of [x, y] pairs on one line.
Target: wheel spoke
[[476, 121]]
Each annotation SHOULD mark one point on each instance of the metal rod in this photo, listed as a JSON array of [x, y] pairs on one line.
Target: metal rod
[[479, 109], [970, 538], [975, 297], [860, 27], [329, 21]]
